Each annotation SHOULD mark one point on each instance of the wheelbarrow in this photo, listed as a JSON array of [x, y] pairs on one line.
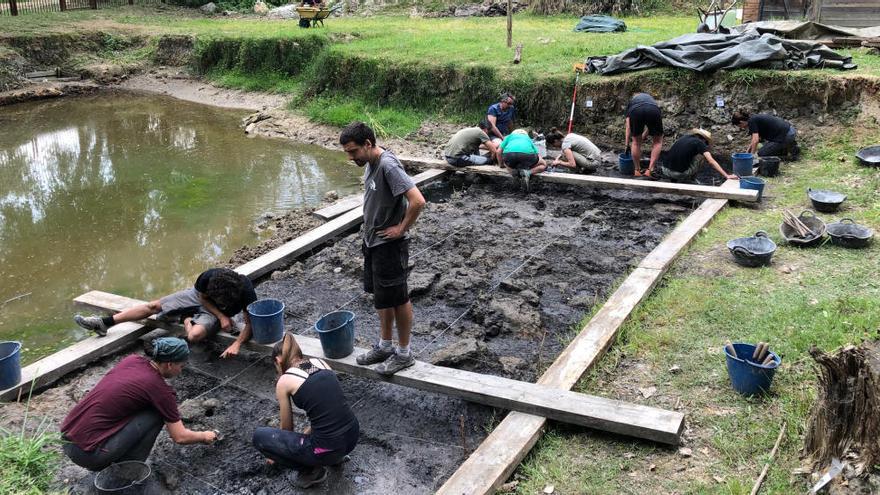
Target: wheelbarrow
[[312, 16]]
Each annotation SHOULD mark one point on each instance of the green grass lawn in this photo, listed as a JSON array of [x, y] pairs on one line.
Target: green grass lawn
[[550, 45]]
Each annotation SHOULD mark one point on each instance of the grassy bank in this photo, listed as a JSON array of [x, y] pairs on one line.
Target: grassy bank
[[447, 68], [827, 297], [28, 458]]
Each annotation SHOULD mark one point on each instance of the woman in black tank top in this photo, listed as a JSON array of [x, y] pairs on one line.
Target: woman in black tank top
[[312, 386]]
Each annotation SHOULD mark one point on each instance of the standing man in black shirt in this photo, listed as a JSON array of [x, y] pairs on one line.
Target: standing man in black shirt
[[779, 136], [207, 307], [679, 163], [642, 118]]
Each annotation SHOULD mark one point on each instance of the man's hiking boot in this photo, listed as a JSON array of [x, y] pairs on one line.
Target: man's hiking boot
[[93, 323], [306, 479], [375, 355], [395, 363]]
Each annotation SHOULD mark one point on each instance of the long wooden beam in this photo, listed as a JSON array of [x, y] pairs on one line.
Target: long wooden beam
[[570, 407], [284, 254], [599, 182], [502, 451], [344, 205], [45, 371]]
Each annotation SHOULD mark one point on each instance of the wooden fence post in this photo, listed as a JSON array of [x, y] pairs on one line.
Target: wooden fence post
[[62, 4], [13, 7], [93, 4]]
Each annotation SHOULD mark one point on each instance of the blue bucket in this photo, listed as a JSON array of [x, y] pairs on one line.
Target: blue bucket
[[748, 377], [752, 182], [742, 164], [10, 364], [336, 331], [267, 320], [625, 164]]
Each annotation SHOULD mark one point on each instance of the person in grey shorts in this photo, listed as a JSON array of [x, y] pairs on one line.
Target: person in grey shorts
[[392, 203], [218, 295], [463, 148]]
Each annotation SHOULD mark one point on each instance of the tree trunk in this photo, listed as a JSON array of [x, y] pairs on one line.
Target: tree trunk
[[845, 420]]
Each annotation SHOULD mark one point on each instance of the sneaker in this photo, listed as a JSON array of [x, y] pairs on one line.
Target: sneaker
[[306, 479], [395, 363], [93, 323], [375, 355]]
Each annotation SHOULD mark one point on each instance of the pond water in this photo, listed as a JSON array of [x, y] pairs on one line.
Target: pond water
[[135, 195]]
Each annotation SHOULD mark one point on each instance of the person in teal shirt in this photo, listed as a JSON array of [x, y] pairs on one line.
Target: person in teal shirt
[[519, 154]]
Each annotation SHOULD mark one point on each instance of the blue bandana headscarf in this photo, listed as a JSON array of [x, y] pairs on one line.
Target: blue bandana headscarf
[[170, 350]]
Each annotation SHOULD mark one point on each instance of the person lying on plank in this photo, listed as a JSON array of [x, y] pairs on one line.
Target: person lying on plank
[[218, 295]]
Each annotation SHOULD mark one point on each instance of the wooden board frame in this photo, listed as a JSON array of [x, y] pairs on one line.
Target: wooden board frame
[[496, 458], [570, 407], [502, 451], [600, 182]]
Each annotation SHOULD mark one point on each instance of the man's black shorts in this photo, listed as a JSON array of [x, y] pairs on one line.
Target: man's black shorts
[[520, 161], [385, 272], [649, 116]]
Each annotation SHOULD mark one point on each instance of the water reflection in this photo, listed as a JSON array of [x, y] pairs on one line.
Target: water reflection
[[136, 195]]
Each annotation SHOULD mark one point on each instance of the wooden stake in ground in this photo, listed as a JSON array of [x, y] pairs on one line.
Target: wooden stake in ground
[[517, 57], [509, 23], [764, 471]]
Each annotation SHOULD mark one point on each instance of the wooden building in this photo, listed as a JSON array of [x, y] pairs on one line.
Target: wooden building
[[851, 13]]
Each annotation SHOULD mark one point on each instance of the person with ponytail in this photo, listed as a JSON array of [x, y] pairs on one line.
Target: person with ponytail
[[578, 152], [334, 430]]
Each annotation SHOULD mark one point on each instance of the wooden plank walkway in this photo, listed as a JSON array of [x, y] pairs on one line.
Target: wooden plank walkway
[[561, 405], [502, 451], [284, 254], [599, 182]]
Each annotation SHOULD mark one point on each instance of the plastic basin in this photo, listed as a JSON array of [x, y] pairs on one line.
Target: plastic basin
[[267, 320], [336, 332], [752, 182], [748, 377], [10, 364], [742, 164], [625, 164]]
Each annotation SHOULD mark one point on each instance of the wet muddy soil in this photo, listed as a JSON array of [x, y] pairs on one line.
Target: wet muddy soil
[[498, 279]]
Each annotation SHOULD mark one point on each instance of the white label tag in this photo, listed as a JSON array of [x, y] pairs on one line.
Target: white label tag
[[719, 102], [589, 103]]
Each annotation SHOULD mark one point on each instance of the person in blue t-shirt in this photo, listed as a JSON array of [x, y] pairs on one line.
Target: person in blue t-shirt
[[500, 117]]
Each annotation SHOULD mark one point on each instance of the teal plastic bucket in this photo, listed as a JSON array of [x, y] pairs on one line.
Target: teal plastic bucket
[[336, 331], [10, 364], [753, 182], [746, 376], [742, 164], [267, 320]]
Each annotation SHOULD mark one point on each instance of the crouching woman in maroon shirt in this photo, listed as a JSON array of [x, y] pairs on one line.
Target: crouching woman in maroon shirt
[[333, 430], [121, 417]]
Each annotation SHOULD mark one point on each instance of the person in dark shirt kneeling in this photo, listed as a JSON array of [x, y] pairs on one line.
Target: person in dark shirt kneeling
[[779, 136], [218, 295], [121, 417], [679, 163], [334, 430]]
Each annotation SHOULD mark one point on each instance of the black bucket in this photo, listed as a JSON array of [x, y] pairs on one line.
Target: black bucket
[[123, 478], [769, 166]]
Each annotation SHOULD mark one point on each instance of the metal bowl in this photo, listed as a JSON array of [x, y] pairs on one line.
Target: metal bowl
[[824, 200], [752, 251], [869, 156], [846, 233], [812, 222]]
